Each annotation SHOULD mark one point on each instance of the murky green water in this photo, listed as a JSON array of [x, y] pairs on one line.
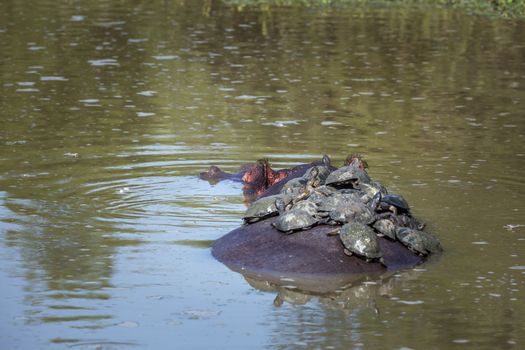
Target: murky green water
[[109, 110]]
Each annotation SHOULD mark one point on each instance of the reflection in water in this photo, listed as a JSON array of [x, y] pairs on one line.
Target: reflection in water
[[361, 293], [109, 111], [341, 311]]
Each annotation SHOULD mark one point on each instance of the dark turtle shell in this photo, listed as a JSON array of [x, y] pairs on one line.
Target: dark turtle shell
[[386, 228], [397, 201], [360, 240], [300, 217], [420, 242], [319, 172], [353, 212], [347, 175], [264, 207], [294, 187]]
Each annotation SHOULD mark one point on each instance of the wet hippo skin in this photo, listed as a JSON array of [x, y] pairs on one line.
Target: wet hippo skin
[[260, 247]]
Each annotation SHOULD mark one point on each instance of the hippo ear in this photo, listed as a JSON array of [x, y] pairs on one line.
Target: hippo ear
[[263, 161]]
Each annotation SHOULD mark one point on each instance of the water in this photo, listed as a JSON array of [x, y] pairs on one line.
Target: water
[[110, 109]]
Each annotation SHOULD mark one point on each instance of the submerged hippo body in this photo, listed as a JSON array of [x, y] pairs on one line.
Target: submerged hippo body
[[305, 258]]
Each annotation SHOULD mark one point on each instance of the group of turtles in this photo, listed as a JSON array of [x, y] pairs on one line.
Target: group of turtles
[[360, 209]]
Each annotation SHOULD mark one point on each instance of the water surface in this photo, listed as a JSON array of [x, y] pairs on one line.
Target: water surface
[[110, 109]]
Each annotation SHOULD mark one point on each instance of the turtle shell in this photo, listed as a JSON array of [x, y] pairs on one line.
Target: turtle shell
[[361, 240], [264, 207], [294, 220], [338, 199], [372, 188], [420, 242], [353, 212], [294, 187], [307, 206], [397, 201], [386, 227], [320, 194], [347, 175], [321, 172]]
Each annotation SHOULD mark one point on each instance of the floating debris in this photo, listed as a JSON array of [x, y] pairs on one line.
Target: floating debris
[[104, 62], [53, 78], [166, 57], [145, 114]]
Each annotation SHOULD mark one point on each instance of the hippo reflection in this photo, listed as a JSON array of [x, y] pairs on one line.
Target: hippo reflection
[[361, 293]]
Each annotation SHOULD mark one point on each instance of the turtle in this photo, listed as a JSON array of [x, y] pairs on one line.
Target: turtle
[[371, 188], [320, 172], [355, 192], [386, 228], [300, 217], [336, 199], [320, 194], [409, 221], [264, 207], [347, 175], [307, 206], [300, 188], [327, 162], [420, 242], [294, 187], [357, 211], [312, 182], [394, 203], [361, 240]]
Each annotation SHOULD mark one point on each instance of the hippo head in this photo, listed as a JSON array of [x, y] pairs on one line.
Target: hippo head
[[255, 175], [259, 176], [214, 174]]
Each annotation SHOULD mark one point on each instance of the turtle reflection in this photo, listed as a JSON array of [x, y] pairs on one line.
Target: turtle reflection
[[358, 295]]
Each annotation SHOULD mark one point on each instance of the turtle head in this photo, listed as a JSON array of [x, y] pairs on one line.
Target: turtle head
[[326, 160], [280, 205], [376, 199], [314, 180], [356, 160]]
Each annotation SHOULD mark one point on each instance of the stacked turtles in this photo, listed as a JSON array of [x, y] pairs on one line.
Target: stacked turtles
[[348, 198]]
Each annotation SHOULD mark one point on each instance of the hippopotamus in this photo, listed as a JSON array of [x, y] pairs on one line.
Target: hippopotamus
[[312, 259], [259, 176]]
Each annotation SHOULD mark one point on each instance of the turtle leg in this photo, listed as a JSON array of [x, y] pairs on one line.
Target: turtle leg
[[393, 209], [334, 232], [278, 301], [388, 215]]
